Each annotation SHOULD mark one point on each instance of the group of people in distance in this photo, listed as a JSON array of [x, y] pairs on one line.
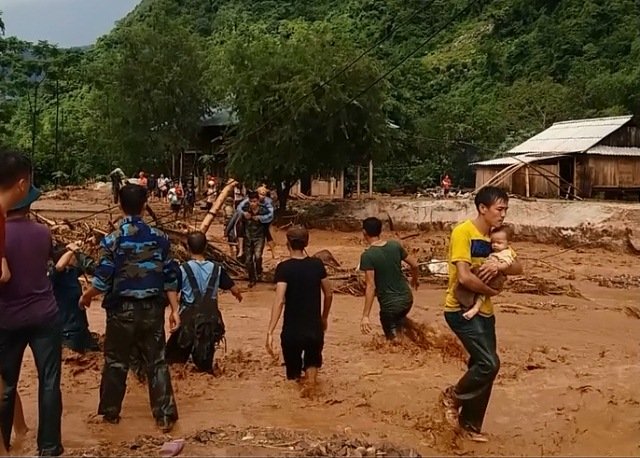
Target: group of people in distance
[[138, 280]]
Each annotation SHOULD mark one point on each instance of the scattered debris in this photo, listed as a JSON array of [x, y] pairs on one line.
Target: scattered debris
[[633, 312], [172, 448], [351, 284], [624, 281], [328, 259], [542, 287], [285, 442]]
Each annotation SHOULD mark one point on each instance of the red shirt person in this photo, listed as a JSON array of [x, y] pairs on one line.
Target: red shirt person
[[446, 184]]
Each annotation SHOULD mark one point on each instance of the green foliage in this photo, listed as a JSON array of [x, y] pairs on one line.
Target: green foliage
[[497, 75], [265, 76], [147, 93]]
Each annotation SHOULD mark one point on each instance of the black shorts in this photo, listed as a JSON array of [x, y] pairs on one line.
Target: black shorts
[[392, 322], [300, 353], [176, 207]]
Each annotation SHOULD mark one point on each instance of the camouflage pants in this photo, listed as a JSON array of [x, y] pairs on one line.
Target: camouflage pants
[[253, 247], [136, 327]]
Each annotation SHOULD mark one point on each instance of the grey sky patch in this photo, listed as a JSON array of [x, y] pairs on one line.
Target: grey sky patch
[[63, 22]]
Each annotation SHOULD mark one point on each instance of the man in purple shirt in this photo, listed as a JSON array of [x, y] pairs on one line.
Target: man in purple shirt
[[29, 316]]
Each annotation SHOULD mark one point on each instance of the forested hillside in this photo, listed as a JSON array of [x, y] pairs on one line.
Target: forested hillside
[[496, 73]]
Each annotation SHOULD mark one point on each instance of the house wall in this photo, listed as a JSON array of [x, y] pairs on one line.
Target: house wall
[[613, 171], [484, 174], [539, 186], [626, 136], [323, 187], [543, 180]]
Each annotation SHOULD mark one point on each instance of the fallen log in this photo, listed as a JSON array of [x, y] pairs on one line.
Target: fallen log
[[217, 205]]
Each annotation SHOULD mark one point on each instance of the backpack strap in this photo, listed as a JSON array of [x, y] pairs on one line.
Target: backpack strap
[[214, 281], [197, 294]]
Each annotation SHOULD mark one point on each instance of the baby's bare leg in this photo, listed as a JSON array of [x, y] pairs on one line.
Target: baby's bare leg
[[473, 311]]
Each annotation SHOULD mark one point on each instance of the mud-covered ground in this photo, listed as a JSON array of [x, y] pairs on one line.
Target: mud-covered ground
[[567, 386]]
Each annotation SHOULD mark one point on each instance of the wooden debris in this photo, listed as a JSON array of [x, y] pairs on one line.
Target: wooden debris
[[217, 205], [327, 258], [633, 312], [351, 284], [623, 281], [541, 286]]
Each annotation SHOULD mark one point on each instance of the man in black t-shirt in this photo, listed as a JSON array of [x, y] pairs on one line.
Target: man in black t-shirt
[[299, 281]]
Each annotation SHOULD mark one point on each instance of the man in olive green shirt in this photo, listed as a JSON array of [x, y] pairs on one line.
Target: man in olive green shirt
[[382, 264]]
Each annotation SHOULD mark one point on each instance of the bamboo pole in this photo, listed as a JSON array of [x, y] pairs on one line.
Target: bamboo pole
[[211, 214], [526, 177], [370, 178], [358, 181]]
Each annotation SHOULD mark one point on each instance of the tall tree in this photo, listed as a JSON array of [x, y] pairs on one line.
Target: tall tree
[[148, 95], [282, 135]]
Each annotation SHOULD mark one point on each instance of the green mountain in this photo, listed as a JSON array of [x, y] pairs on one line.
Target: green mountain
[[469, 80], [497, 74]]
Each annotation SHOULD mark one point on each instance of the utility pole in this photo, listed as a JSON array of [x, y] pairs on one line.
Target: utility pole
[[57, 120]]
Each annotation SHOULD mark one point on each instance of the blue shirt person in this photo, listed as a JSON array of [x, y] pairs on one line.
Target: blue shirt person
[[70, 264]]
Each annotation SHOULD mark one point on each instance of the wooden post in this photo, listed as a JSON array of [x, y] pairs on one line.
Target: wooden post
[[181, 164], [370, 178], [208, 219], [526, 177], [341, 187], [173, 166], [358, 181]]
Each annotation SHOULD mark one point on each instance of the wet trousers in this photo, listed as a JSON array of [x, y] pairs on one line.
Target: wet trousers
[[253, 248], [136, 327], [473, 390], [46, 344]]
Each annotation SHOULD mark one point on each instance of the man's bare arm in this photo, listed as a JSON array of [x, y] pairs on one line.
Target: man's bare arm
[[370, 292], [327, 290], [278, 305], [415, 271], [471, 282]]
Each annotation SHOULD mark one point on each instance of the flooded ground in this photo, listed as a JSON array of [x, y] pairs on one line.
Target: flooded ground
[[567, 337]]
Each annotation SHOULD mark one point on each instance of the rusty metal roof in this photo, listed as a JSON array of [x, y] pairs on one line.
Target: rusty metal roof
[[510, 160], [614, 151], [571, 136]]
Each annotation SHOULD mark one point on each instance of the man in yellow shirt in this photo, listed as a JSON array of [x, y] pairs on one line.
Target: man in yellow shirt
[[466, 402]]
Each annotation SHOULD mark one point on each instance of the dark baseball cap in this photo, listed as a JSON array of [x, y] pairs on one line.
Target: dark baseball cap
[[33, 195], [299, 234]]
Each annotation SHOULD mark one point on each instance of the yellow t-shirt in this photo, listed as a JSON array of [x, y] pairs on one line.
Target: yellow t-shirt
[[467, 244]]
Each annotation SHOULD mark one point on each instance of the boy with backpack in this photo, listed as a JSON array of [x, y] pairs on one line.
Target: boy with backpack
[[202, 325], [138, 277]]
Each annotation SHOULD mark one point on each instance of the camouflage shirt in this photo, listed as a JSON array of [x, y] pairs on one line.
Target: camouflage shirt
[[135, 262]]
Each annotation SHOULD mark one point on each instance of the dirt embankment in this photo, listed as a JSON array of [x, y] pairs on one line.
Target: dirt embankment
[[613, 226]]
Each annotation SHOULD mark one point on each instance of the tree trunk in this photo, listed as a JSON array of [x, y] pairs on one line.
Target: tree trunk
[[283, 195]]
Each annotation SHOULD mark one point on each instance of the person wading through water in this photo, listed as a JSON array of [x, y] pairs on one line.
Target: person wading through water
[[466, 402], [202, 326], [138, 277], [29, 316]]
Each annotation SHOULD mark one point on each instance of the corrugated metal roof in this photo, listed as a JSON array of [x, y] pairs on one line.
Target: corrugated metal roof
[[614, 151], [571, 136], [510, 160]]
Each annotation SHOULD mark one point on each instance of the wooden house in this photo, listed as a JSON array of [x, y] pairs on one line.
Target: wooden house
[[583, 158]]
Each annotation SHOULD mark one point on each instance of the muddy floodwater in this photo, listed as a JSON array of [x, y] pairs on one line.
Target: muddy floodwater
[[567, 337]]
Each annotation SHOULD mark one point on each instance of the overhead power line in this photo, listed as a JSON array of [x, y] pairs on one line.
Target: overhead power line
[[408, 56], [339, 73]]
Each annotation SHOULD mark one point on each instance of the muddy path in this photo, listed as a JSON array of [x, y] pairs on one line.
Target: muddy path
[[567, 386]]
